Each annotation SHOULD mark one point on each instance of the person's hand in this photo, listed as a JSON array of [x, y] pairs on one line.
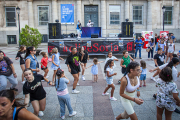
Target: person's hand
[[115, 73], [138, 101], [37, 70], [15, 76], [138, 93], [150, 70], [69, 69]]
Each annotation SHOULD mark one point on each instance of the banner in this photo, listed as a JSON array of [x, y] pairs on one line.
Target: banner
[[147, 35], [67, 13], [97, 47], [164, 33]]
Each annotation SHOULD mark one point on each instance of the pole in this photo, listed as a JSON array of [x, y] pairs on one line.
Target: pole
[[163, 21], [19, 30]]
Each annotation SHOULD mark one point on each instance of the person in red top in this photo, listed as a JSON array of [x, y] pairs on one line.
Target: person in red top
[[44, 62], [142, 38]]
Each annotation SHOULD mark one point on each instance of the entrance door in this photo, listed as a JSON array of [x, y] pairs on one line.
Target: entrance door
[[91, 13]]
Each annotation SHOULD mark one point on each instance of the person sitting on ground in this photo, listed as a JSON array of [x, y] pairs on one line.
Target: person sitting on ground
[[13, 109], [7, 71]]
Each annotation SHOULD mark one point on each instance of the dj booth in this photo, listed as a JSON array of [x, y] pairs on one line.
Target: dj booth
[[94, 46]]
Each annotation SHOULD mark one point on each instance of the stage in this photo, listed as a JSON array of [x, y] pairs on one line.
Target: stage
[[94, 46]]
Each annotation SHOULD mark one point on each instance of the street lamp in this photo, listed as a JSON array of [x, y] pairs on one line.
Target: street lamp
[[18, 12], [164, 9]]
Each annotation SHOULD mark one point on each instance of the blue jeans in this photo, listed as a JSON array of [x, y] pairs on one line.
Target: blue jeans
[[3, 81], [65, 99], [138, 48], [151, 52]]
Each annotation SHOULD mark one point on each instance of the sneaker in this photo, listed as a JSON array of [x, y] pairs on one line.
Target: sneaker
[[74, 113], [41, 113], [47, 76], [113, 98], [83, 78], [103, 94], [75, 91], [153, 78], [62, 117], [154, 96], [77, 84], [23, 82], [14, 89]]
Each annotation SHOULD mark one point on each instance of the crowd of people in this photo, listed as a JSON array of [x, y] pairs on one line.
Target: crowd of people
[[134, 77]]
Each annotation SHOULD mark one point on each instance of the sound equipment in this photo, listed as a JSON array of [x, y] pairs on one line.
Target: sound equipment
[[54, 30], [127, 29], [94, 35]]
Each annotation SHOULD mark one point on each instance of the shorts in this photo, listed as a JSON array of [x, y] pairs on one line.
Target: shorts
[[170, 51], [44, 68], [128, 104], [143, 77], [109, 81]]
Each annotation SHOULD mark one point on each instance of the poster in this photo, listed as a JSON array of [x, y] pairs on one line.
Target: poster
[[164, 33], [67, 13], [147, 35]]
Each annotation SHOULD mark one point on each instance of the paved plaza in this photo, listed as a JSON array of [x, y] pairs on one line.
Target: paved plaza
[[89, 103]]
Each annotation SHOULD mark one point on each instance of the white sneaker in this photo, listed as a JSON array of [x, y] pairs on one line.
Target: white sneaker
[[75, 91], [47, 76], [83, 78], [153, 78], [62, 117], [41, 113], [23, 82], [77, 84], [113, 98], [74, 113], [103, 94]]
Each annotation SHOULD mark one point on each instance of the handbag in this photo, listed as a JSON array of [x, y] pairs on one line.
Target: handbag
[[148, 49]]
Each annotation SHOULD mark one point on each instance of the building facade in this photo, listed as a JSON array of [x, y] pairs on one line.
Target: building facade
[[147, 15]]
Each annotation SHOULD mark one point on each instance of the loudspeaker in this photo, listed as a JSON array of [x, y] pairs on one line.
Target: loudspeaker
[[94, 35], [54, 30], [127, 29]]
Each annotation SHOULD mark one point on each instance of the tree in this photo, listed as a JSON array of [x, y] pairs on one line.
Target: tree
[[30, 37]]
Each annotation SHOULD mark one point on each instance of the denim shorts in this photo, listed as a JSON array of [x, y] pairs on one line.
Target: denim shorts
[[143, 77]]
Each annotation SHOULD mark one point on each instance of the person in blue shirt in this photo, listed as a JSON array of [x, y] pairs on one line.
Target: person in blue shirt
[[138, 43]]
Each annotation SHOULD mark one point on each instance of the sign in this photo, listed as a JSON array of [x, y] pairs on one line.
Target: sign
[[67, 13], [97, 47], [164, 34], [147, 35]]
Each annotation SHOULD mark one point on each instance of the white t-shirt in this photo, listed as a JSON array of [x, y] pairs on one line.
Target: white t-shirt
[[174, 71], [113, 57]]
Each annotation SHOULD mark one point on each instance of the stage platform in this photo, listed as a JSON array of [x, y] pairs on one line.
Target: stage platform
[[91, 39]]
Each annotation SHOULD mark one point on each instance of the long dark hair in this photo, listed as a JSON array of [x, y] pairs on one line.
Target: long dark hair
[[173, 61], [166, 74], [9, 94], [58, 74], [132, 65], [28, 51], [107, 64]]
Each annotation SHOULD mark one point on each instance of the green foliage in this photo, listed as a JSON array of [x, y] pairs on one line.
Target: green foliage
[[30, 37]]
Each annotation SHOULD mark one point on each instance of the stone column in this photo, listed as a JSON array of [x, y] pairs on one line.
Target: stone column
[[126, 10], [149, 15], [79, 11], [54, 11], [30, 13], [103, 18]]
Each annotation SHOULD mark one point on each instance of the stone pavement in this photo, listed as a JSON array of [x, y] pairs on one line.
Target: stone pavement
[[89, 103]]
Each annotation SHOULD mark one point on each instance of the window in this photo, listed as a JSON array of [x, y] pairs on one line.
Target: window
[[137, 14], [168, 16], [114, 14], [10, 16], [44, 39], [11, 39], [43, 15]]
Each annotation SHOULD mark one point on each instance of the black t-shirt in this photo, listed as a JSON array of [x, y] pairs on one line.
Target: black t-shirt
[[21, 55], [5, 68], [35, 88], [72, 62], [84, 60], [160, 59]]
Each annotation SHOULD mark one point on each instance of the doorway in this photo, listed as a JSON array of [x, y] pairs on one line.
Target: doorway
[[91, 13]]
